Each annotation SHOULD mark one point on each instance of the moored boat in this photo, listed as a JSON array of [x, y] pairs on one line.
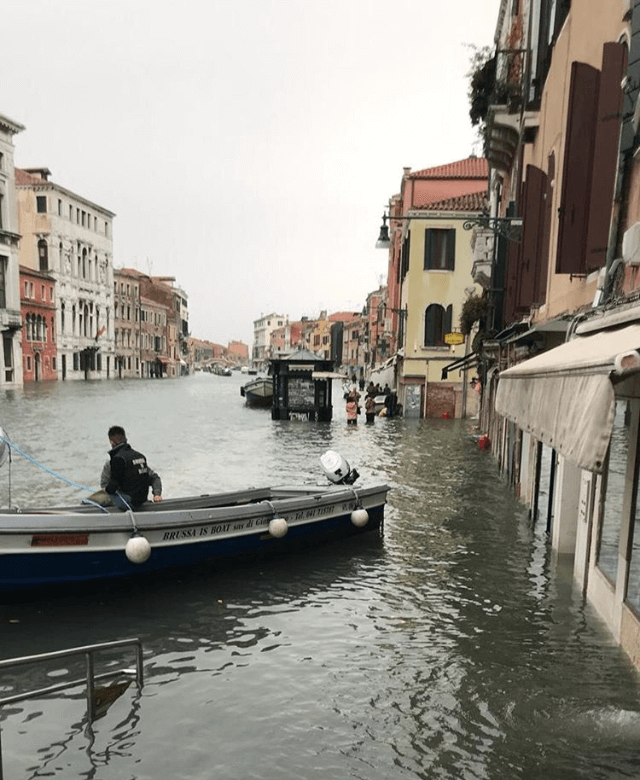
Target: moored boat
[[258, 392], [65, 545]]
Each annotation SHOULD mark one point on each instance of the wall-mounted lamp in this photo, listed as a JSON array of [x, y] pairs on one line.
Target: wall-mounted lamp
[[509, 227], [384, 242]]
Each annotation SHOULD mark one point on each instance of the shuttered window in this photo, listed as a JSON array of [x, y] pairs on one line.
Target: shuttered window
[[404, 257], [532, 257], [439, 250], [577, 169], [605, 156], [540, 285], [437, 322]]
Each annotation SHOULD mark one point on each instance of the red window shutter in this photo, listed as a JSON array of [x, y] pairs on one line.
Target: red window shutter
[[577, 169], [605, 155], [533, 210]]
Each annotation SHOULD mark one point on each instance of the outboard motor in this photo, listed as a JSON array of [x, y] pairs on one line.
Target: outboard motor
[[337, 470]]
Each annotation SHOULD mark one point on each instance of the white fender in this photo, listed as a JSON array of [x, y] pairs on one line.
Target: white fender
[[138, 549], [360, 517], [278, 527]]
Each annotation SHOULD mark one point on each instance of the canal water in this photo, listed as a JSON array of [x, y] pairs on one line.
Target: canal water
[[450, 648]]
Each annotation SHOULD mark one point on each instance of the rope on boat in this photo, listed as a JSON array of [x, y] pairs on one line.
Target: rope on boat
[[37, 463], [129, 511]]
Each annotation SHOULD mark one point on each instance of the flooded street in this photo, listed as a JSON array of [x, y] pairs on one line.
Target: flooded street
[[451, 648]]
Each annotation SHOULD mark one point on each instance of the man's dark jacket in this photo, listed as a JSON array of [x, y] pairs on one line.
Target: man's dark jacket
[[129, 473]]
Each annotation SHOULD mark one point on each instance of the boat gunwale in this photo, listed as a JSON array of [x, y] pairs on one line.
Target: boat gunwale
[[159, 517]]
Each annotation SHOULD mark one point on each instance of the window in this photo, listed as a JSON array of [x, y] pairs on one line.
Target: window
[[437, 322], [439, 249], [43, 255], [609, 540], [3, 281], [7, 344], [41, 204], [59, 207]]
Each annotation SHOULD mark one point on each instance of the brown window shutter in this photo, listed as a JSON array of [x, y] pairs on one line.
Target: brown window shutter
[[511, 313], [577, 169], [540, 286], [605, 155], [533, 210]]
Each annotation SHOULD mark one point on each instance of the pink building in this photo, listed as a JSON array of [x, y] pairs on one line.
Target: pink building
[[38, 311]]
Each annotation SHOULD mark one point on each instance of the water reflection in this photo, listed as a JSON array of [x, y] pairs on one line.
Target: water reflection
[[451, 648]]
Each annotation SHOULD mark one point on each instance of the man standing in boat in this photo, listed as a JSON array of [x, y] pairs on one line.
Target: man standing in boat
[[126, 475]]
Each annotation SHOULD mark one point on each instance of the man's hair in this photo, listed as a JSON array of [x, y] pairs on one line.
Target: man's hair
[[116, 432]]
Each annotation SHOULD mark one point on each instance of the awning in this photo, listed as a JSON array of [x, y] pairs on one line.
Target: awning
[[468, 361], [565, 397], [327, 375]]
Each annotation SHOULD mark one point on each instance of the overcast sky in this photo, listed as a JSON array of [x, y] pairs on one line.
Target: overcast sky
[[247, 147]]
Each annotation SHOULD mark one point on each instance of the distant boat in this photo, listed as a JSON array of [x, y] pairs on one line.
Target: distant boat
[[258, 392]]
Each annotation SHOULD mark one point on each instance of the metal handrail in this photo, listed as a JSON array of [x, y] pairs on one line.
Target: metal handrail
[[88, 651]]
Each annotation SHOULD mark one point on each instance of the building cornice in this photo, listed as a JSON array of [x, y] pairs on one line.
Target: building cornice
[[9, 126]]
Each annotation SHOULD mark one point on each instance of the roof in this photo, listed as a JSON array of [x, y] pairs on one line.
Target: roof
[[469, 168], [343, 316], [24, 178], [471, 201], [30, 179]]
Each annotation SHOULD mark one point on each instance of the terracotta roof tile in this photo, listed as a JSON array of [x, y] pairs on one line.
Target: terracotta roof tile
[[30, 179], [469, 168], [342, 316], [472, 201]]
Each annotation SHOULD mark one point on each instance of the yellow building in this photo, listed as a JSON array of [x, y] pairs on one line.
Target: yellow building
[[436, 280]]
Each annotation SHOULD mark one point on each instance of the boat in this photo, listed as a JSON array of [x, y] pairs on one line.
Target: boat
[[258, 392], [47, 547]]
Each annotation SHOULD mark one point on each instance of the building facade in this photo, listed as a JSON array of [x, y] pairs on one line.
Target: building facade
[[262, 330], [10, 320], [70, 238], [127, 323], [38, 311], [560, 360]]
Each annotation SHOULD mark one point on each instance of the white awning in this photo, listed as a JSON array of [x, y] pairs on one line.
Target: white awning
[[565, 397], [327, 375]]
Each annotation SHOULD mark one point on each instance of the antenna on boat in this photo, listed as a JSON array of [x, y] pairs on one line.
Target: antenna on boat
[[5, 454]]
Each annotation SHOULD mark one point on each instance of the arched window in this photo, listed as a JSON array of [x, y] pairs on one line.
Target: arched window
[[62, 323], [43, 255], [437, 322]]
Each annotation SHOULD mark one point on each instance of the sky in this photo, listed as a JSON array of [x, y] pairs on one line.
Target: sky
[[247, 147]]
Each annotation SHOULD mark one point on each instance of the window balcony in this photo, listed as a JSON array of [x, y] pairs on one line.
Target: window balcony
[[10, 319]]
